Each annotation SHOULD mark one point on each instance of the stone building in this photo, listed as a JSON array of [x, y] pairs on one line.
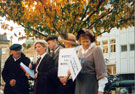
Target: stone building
[[4, 51]]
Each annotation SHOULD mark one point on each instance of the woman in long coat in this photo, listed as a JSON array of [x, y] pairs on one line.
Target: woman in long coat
[[43, 69], [92, 78]]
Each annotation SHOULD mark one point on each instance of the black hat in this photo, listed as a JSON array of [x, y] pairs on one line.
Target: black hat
[[51, 37], [86, 32], [15, 47]]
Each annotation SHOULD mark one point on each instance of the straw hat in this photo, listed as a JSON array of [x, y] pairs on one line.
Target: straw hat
[[41, 41], [69, 38]]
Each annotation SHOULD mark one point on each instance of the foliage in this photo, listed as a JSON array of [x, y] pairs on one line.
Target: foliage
[[43, 17]]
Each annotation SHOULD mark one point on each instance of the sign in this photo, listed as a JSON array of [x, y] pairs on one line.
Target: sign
[[68, 60], [28, 70]]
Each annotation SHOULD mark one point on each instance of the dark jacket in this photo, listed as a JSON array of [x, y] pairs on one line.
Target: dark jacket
[[69, 88], [43, 85], [12, 70]]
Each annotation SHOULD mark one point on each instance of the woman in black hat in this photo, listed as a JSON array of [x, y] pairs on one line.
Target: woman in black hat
[[92, 78]]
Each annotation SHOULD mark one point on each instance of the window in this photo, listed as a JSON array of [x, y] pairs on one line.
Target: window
[[105, 46], [111, 69], [123, 48], [3, 50], [113, 46], [132, 47]]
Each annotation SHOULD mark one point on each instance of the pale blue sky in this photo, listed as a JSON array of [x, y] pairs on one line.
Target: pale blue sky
[[16, 30]]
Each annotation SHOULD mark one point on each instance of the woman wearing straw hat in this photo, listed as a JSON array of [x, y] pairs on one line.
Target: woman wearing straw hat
[[42, 68], [92, 78], [68, 86]]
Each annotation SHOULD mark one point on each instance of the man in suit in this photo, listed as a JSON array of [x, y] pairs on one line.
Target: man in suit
[[13, 75], [54, 48]]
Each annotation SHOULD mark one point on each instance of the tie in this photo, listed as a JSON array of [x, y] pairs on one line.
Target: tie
[[37, 63], [35, 82], [53, 54]]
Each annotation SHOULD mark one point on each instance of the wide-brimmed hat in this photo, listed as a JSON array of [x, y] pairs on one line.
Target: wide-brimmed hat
[[87, 32], [69, 38], [41, 41]]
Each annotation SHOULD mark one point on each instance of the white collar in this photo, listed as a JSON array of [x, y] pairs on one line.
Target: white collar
[[55, 50], [16, 59], [42, 55], [85, 51]]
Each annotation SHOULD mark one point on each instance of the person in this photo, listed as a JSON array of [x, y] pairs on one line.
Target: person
[[93, 76], [13, 75], [68, 85], [43, 69], [54, 48]]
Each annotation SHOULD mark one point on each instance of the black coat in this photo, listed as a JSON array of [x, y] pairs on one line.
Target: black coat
[[44, 84], [12, 70], [69, 88]]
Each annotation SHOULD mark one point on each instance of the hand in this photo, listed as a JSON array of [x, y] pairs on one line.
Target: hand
[[12, 82], [68, 72], [99, 92], [27, 74], [36, 75], [63, 80], [30, 66]]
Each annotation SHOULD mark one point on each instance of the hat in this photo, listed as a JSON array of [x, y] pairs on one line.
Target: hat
[[15, 47], [69, 38], [41, 41], [51, 37], [86, 32]]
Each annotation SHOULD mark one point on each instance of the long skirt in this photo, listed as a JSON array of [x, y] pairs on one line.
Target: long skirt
[[86, 84]]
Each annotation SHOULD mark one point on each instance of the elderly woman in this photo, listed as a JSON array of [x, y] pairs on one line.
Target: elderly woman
[[68, 86], [92, 78], [42, 68]]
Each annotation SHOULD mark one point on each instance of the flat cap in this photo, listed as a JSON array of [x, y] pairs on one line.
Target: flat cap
[[15, 47], [51, 37]]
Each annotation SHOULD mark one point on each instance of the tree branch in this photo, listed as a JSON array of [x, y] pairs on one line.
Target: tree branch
[[15, 20], [90, 26], [93, 12]]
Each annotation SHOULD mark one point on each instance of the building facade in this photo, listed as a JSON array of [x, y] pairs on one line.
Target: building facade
[[4, 52], [119, 52]]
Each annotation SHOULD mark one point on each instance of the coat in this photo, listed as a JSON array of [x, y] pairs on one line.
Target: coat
[[93, 69], [12, 70], [44, 84], [69, 88]]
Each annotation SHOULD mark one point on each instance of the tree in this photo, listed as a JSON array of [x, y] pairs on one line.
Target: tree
[[43, 17]]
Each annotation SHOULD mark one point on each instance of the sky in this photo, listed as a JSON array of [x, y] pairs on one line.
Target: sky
[[16, 30]]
